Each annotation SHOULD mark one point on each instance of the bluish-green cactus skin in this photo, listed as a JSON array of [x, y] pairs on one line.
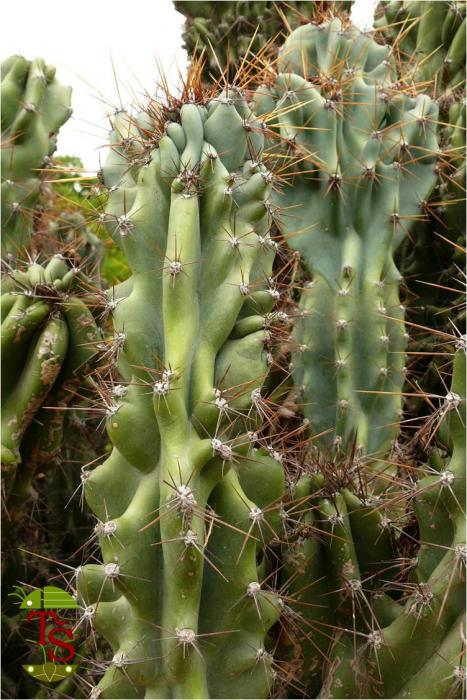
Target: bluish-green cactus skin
[[49, 337], [186, 501], [34, 107], [367, 163]]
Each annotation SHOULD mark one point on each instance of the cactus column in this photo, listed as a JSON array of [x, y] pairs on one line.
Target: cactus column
[[185, 501], [369, 619], [420, 653], [366, 145]]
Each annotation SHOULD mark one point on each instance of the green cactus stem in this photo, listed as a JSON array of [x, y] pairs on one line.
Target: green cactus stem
[[49, 339], [189, 498]]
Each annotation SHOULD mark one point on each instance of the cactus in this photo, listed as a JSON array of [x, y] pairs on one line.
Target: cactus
[[189, 499], [384, 619], [366, 619], [49, 338], [367, 150], [429, 42], [237, 559], [34, 106], [229, 33], [429, 39]]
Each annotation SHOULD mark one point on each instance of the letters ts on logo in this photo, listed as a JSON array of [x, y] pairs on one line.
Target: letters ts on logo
[[51, 637]]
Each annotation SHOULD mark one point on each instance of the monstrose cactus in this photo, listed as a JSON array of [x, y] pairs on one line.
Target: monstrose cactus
[[188, 499]]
